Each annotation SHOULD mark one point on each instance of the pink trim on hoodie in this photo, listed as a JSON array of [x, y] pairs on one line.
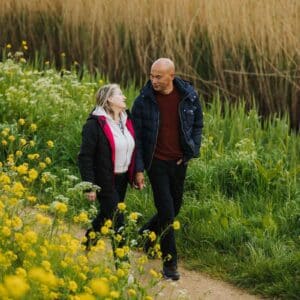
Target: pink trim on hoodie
[[108, 133], [131, 168]]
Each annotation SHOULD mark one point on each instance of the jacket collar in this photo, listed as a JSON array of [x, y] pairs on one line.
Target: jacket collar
[[185, 88]]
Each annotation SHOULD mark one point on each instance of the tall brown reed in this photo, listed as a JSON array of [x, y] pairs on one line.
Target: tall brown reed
[[248, 49]]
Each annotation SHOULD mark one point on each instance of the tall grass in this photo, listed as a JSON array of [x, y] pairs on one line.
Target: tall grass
[[246, 49]]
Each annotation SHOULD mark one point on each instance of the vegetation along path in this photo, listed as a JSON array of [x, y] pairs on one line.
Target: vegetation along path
[[192, 285]]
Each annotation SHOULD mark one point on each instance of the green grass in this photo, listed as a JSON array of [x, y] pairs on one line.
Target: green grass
[[241, 213]]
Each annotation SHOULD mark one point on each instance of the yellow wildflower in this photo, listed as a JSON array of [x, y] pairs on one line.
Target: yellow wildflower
[[152, 236], [73, 286], [120, 252], [50, 144], [16, 286], [32, 174], [4, 179], [60, 207], [120, 273], [133, 216], [114, 294], [108, 223], [21, 122], [6, 231], [48, 160], [42, 165], [104, 230], [33, 127], [176, 225], [40, 275], [19, 153], [22, 142], [16, 222], [31, 199], [18, 189], [99, 287], [22, 169], [11, 138], [32, 143], [121, 206], [131, 293], [8, 46], [4, 142]]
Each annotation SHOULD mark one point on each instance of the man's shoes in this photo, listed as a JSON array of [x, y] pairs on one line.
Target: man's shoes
[[170, 272]]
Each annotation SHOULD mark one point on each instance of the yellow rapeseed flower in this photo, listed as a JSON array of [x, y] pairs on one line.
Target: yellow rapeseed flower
[[4, 179], [6, 231], [32, 174], [131, 292], [21, 122], [133, 216], [73, 286], [176, 225], [4, 143], [121, 206], [104, 230], [120, 252], [24, 43], [8, 46], [16, 286], [114, 294], [22, 142], [50, 144], [42, 165], [32, 143], [100, 287], [19, 153], [48, 160], [152, 236], [37, 274], [108, 223], [12, 138], [33, 127], [22, 169], [31, 199], [18, 189], [85, 296]]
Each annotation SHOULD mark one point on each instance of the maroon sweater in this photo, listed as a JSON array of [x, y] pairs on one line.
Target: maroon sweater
[[168, 140]]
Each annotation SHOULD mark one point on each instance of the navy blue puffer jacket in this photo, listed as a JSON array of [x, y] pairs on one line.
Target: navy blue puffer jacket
[[145, 115]]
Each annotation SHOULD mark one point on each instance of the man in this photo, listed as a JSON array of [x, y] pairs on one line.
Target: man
[[168, 123]]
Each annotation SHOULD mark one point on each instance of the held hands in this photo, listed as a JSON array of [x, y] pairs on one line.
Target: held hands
[[139, 180], [91, 196]]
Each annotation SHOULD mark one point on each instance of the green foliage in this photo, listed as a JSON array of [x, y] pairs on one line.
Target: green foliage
[[241, 216]]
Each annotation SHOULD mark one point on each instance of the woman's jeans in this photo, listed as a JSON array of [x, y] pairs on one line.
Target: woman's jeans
[[167, 181], [109, 203]]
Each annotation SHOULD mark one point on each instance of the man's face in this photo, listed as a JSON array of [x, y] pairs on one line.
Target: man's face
[[161, 79]]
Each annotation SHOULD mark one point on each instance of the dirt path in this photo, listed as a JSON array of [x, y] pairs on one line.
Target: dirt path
[[192, 285]]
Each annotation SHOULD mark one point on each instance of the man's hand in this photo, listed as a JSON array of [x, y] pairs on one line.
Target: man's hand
[[91, 196], [139, 180]]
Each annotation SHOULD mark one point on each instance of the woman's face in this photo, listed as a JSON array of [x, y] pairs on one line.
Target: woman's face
[[117, 100]]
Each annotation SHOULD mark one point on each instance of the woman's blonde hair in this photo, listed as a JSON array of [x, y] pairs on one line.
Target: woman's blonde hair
[[104, 93]]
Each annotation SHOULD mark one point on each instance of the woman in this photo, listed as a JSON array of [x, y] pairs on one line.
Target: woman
[[106, 155]]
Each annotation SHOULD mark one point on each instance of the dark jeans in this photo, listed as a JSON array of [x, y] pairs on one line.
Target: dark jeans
[[167, 180], [109, 202]]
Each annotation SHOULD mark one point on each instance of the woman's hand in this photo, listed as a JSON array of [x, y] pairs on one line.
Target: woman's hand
[[91, 196], [139, 180]]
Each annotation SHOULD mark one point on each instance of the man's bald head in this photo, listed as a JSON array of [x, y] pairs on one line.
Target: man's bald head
[[162, 75], [164, 63]]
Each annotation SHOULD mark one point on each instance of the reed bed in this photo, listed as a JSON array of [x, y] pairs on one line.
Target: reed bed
[[243, 49]]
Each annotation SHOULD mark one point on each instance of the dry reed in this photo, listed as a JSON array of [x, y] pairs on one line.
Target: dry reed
[[248, 49]]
